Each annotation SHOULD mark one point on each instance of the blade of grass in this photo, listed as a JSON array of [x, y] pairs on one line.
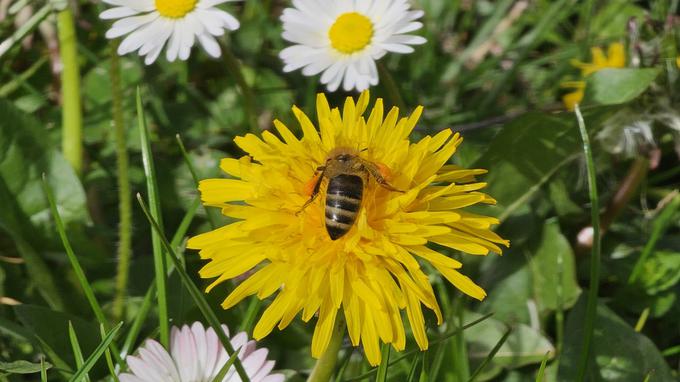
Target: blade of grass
[[94, 357], [210, 212], [155, 209], [591, 305], [432, 342], [25, 29], [460, 358], [492, 354], [412, 372], [671, 351], [384, 363], [7, 88], [642, 320], [43, 370], [248, 320], [136, 326], [16, 6], [107, 356], [144, 309], [541, 370], [343, 365], [223, 371], [424, 371], [659, 227], [75, 263], [193, 290], [60, 366], [75, 346]]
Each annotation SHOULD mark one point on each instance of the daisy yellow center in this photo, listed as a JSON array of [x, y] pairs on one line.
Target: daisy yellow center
[[175, 9], [351, 32]]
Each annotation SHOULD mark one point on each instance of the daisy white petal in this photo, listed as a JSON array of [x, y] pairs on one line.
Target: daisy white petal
[[196, 355], [341, 39], [150, 24]]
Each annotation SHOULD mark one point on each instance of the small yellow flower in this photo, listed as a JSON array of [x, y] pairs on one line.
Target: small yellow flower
[[615, 58], [374, 271]]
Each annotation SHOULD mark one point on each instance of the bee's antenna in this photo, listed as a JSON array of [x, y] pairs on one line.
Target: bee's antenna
[[364, 149]]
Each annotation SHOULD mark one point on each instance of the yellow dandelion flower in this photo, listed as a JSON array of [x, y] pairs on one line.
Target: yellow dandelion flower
[[615, 58], [370, 270]]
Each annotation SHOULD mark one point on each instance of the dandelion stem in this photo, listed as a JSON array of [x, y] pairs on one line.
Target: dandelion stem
[[391, 86], [124, 198], [235, 68], [323, 370], [72, 129], [591, 306]]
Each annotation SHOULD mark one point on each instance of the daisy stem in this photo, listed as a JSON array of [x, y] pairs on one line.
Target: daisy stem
[[235, 68], [324, 367], [391, 86], [124, 198], [591, 305], [72, 129]]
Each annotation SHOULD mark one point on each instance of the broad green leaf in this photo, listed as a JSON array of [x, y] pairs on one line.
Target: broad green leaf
[[554, 261], [22, 367], [524, 346], [24, 156], [618, 353], [524, 155], [617, 86]]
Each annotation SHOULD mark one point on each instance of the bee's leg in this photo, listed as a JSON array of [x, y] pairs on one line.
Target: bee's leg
[[315, 191], [379, 175]]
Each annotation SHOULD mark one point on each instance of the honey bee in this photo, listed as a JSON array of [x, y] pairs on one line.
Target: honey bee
[[347, 175]]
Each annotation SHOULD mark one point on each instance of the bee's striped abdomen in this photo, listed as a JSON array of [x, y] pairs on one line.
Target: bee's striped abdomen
[[343, 200]]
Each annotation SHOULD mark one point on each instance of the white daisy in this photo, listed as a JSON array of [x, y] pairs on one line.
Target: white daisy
[[196, 355], [344, 38], [149, 24]]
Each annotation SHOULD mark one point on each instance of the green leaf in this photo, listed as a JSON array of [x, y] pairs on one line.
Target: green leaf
[[554, 261], [24, 156], [524, 155], [524, 346], [618, 353], [617, 86], [22, 367]]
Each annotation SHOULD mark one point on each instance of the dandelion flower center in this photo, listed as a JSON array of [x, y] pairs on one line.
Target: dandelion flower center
[[175, 9], [351, 32]]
